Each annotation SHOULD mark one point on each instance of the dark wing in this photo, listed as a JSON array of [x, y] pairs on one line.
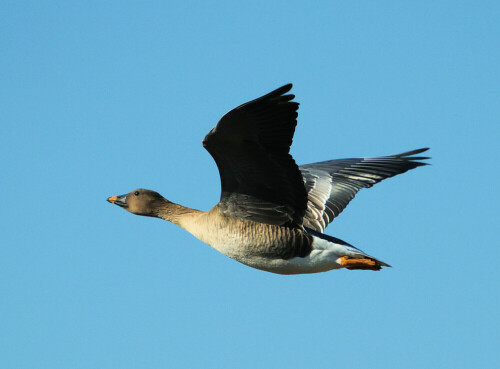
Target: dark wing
[[332, 184], [259, 178]]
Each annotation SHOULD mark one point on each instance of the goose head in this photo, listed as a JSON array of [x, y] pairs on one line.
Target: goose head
[[140, 202]]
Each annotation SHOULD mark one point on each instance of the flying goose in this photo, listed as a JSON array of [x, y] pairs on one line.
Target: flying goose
[[272, 213]]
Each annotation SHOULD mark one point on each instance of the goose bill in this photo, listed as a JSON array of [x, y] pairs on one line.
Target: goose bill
[[118, 200]]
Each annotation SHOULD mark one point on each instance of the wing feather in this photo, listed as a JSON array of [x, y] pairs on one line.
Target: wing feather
[[332, 184], [260, 181]]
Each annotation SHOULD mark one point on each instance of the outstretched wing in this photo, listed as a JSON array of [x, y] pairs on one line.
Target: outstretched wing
[[259, 178], [332, 184]]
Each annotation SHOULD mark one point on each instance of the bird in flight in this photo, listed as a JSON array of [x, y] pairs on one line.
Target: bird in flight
[[272, 213]]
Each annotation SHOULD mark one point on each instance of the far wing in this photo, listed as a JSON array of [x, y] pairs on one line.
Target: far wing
[[332, 184]]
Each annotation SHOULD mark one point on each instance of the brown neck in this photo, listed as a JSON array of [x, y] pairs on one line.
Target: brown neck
[[175, 213]]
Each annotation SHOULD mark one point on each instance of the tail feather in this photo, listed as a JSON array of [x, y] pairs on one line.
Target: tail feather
[[350, 252]]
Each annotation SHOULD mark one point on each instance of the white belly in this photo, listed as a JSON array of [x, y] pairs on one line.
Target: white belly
[[317, 261], [253, 244], [323, 257]]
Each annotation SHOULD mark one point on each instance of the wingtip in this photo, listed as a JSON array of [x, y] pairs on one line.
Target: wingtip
[[283, 89], [409, 155], [413, 152], [418, 151]]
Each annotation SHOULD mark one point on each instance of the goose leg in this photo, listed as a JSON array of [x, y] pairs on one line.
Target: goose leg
[[358, 263]]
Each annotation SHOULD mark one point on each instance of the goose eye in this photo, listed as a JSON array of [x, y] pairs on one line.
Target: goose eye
[[136, 193]]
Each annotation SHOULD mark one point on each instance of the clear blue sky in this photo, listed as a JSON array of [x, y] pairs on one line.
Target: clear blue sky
[[98, 99]]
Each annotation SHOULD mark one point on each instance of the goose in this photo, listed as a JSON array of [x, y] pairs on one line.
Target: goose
[[272, 213]]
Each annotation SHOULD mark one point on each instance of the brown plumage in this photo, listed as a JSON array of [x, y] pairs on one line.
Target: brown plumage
[[272, 213]]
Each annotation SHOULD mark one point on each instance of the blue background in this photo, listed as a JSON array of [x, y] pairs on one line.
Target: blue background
[[98, 98]]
